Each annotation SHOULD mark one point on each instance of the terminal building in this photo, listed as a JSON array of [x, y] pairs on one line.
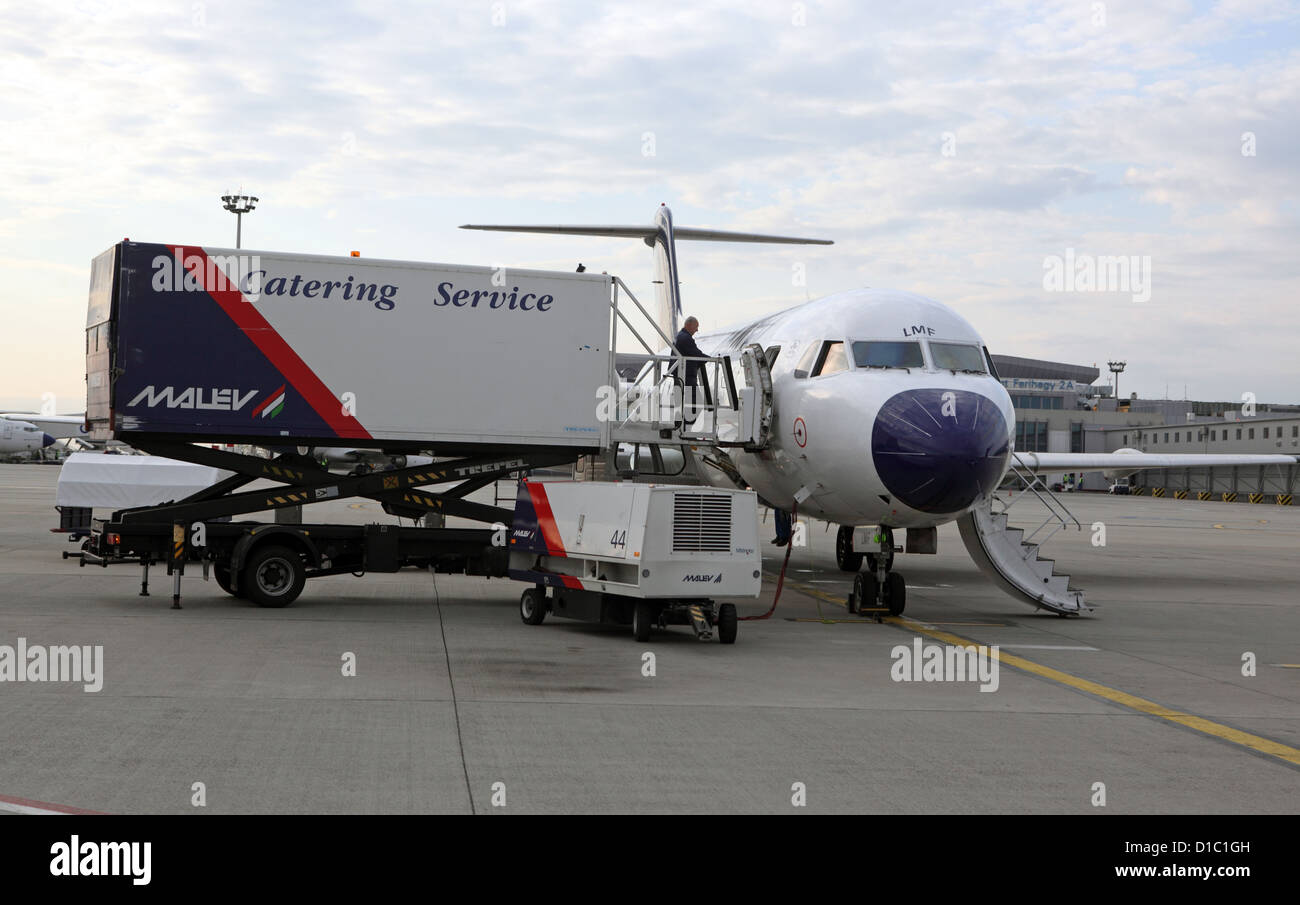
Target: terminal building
[[1061, 408]]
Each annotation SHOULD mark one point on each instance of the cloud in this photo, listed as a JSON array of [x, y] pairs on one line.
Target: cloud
[[398, 121]]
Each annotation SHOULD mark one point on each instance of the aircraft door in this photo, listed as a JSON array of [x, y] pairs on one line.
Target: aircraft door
[[756, 398]]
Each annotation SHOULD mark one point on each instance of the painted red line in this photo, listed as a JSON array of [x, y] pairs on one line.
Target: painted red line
[[571, 582], [546, 520], [281, 355], [43, 806]]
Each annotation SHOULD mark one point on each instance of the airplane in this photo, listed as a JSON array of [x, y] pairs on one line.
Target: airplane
[[60, 427], [888, 414], [22, 436]]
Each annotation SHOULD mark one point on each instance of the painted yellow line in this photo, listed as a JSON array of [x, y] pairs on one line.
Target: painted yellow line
[[1115, 696], [979, 624]]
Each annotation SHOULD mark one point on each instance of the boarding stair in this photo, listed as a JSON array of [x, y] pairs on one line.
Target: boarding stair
[[658, 431], [1011, 557]]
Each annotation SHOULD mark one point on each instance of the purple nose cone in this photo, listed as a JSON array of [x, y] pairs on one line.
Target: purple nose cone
[[46, 440], [938, 450]]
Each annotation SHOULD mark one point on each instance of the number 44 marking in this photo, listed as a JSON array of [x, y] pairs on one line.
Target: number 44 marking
[[619, 539]]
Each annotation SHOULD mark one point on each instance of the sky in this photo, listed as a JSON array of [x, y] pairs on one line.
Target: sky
[[950, 149]]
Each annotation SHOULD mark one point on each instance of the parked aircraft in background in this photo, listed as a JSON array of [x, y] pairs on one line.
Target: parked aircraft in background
[[21, 437]]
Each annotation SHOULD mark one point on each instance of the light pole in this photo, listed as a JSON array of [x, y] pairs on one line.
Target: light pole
[[239, 205], [1116, 368]]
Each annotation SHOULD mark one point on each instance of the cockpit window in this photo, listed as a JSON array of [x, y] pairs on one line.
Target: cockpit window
[[887, 355], [806, 360], [833, 359], [957, 357], [992, 368]]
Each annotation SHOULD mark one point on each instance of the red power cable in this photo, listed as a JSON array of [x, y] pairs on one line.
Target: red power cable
[[780, 581]]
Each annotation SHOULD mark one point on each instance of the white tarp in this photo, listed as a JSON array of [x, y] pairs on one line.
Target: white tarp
[[108, 481]]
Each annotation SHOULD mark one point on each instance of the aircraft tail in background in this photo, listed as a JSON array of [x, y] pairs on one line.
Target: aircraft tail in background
[[662, 238]]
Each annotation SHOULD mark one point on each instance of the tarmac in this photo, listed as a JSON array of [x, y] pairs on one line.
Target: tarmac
[[458, 707]]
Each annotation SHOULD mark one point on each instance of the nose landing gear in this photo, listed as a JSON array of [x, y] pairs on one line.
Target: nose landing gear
[[879, 590]]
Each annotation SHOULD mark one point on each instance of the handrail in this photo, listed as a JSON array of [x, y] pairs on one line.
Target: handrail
[[1056, 509], [660, 376], [668, 342]]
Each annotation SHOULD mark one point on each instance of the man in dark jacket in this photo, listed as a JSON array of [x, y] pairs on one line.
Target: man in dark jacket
[[685, 344]]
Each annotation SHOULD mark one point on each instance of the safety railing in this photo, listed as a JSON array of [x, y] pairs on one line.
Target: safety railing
[[659, 399], [1057, 513]]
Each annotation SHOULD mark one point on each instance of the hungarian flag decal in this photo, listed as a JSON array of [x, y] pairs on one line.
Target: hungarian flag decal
[[273, 405]]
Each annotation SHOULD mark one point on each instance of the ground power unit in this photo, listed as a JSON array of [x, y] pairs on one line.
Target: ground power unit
[[644, 555]]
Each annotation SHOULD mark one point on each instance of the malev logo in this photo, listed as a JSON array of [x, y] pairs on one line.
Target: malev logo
[[272, 405], [228, 400], [706, 578]]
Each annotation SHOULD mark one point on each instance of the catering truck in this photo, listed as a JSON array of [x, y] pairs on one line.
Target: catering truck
[[493, 372]]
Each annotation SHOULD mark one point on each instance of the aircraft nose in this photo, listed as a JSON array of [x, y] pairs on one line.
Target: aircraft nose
[[937, 450], [46, 440]]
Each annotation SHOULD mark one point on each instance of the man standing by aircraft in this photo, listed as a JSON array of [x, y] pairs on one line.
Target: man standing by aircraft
[[685, 344]]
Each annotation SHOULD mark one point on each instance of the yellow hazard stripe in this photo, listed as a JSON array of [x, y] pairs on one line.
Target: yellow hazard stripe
[[1284, 499]]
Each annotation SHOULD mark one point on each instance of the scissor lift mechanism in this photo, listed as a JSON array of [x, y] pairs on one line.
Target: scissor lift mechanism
[[197, 529]]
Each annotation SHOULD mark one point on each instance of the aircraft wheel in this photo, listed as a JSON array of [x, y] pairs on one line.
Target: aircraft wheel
[[845, 558], [895, 594], [727, 623], [532, 606], [864, 592], [641, 618]]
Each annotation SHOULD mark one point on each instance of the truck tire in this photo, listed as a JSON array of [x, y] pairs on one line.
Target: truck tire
[[641, 617], [222, 575], [727, 623], [532, 607], [274, 576]]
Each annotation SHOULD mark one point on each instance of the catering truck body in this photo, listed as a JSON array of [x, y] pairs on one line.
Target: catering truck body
[[198, 344], [493, 372]]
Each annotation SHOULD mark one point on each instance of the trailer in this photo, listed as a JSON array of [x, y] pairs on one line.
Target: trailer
[[643, 555]]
